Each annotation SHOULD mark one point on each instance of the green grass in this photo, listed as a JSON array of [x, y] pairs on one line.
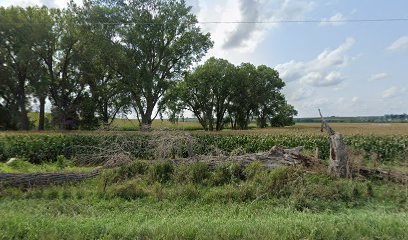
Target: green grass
[[143, 219], [22, 166], [161, 201]]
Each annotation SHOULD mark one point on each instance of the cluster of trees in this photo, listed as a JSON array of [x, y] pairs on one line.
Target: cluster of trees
[[219, 93], [396, 117], [116, 56]]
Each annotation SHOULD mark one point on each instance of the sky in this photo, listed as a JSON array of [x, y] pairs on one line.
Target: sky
[[344, 68]]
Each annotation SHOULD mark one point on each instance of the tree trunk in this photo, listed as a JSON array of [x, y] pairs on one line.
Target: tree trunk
[[146, 123], [262, 122], [338, 157], [339, 165], [21, 101], [41, 116]]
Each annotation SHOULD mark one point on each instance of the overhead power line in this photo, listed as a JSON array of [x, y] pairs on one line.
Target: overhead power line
[[310, 21], [278, 21]]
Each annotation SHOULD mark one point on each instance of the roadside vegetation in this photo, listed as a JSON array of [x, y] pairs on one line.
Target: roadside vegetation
[[160, 200]]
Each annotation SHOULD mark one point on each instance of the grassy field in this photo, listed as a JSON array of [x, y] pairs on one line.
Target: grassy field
[[140, 219], [152, 201]]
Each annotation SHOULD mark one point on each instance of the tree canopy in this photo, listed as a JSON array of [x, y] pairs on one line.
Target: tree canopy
[[219, 93], [107, 57]]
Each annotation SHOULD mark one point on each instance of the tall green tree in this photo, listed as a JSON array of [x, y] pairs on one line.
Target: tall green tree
[[206, 92], [244, 96], [60, 52], [17, 38], [268, 97], [284, 117], [8, 105], [159, 39], [39, 80], [101, 54]]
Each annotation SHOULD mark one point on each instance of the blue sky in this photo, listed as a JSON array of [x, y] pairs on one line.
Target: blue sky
[[346, 69]]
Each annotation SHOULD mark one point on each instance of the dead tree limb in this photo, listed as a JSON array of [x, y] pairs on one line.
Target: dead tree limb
[[278, 156], [43, 179], [339, 164]]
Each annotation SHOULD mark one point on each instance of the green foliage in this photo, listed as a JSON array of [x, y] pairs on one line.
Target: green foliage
[[219, 93], [62, 162], [253, 169], [196, 173], [279, 181], [124, 173], [130, 190], [161, 172], [226, 173], [20, 164]]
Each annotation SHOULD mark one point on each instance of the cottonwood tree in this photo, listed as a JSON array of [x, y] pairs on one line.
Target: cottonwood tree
[[100, 60], [244, 96], [8, 105], [206, 92], [159, 39], [271, 104], [60, 51], [17, 38], [217, 92]]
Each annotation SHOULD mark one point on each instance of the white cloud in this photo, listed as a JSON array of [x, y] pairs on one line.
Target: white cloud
[[355, 99], [378, 76], [245, 37], [400, 44], [48, 3], [393, 92], [321, 71], [195, 4], [301, 93], [22, 3], [335, 20]]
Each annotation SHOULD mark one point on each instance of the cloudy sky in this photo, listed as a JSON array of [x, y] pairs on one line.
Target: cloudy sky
[[344, 68]]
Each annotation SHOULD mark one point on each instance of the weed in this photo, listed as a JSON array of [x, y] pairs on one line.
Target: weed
[[196, 173], [130, 190], [253, 169], [161, 172]]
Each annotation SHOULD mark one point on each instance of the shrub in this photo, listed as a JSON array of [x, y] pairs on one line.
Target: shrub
[[130, 190], [226, 173], [279, 181], [20, 164], [187, 192], [196, 173], [62, 162], [125, 172], [161, 172], [253, 169]]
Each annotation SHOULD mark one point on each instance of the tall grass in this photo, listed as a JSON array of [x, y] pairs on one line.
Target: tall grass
[[163, 201]]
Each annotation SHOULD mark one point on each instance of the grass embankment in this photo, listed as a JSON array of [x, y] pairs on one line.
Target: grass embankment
[[163, 201]]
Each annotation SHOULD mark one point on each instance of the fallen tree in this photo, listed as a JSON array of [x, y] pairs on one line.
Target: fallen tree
[[276, 157], [23, 180]]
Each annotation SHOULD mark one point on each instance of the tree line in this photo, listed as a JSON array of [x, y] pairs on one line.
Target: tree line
[[114, 56]]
